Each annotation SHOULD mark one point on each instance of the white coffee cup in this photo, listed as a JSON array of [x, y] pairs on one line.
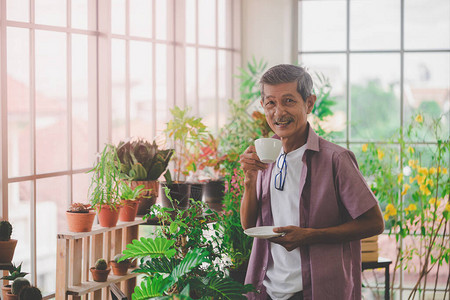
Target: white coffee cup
[[268, 149]]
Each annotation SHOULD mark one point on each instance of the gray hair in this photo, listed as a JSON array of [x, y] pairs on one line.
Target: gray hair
[[285, 73]]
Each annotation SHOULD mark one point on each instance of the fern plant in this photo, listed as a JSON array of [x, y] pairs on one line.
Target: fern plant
[[189, 277]]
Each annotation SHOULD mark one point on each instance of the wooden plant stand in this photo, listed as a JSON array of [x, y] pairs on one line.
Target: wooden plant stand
[[77, 252]]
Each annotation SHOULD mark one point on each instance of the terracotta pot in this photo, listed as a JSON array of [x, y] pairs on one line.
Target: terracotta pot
[[179, 192], [5, 290], [10, 296], [197, 191], [128, 210], [119, 268], [7, 250], [108, 216], [148, 198], [80, 222], [100, 275]]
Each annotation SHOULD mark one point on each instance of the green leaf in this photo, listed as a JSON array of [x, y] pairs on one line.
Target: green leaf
[[173, 227], [193, 259], [149, 247], [150, 287]]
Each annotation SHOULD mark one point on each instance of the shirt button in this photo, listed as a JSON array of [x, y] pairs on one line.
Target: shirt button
[[264, 268], [258, 291]]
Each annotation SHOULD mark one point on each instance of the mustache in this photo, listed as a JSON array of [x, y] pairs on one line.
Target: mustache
[[284, 120]]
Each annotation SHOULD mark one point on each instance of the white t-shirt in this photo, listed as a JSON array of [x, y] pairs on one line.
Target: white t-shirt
[[284, 274]]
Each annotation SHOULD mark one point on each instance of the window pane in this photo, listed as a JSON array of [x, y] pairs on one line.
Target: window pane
[[51, 102], [52, 203], [427, 88], [19, 126], [118, 16], [190, 17], [18, 10], [50, 12], [161, 19], [80, 187], [427, 26], [368, 30], [82, 135], [80, 14], [207, 73], [375, 103], [224, 88], [207, 22], [161, 87], [19, 195], [222, 18], [191, 80], [140, 18], [331, 67], [141, 87], [118, 93], [322, 25]]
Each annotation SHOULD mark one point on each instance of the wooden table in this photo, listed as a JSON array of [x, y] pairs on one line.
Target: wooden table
[[381, 263]]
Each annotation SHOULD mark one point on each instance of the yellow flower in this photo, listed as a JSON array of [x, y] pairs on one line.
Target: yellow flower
[[396, 158], [411, 149], [444, 171], [432, 170], [413, 163], [419, 118], [380, 154], [405, 189], [400, 178], [412, 207], [386, 217], [432, 200], [364, 147], [447, 206], [420, 179], [389, 207], [429, 182], [424, 189], [423, 171]]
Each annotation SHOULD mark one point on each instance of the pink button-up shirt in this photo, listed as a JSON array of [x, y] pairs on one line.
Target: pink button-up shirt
[[333, 192]]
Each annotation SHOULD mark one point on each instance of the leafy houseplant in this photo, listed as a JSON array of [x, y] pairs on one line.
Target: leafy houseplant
[[187, 133], [413, 189], [104, 188], [80, 217], [130, 201], [120, 267], [100, 271], [7, 245], [14, 272], [142, 163]]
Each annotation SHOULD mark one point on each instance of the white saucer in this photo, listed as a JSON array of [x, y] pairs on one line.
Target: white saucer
[[262, 232]]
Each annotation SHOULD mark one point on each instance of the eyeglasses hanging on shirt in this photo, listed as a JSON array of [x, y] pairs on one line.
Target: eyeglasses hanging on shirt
[[280, 178]]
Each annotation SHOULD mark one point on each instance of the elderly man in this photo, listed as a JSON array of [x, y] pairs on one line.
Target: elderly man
[[314, 194]]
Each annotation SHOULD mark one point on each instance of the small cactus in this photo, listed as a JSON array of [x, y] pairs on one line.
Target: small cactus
[[30, 293], [79, 208], [101, 264], [5, 231], [118, 257], [18, 284]]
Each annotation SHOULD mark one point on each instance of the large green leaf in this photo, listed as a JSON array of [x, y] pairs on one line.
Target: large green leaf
[[149, 247], [193, 259], [159, 265], [226, 288], [150, 287]]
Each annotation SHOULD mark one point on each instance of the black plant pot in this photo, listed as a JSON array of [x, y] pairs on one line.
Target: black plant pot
[[197, 191], [179, 192], [214, 191]]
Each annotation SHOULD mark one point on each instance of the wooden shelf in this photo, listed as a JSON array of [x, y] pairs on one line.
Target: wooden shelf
[[92, 286]]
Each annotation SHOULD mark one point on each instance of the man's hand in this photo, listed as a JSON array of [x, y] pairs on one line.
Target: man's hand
[[251, 164], [293, 237]]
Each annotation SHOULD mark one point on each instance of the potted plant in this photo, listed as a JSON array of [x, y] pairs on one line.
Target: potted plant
[[104, 188], [80, 217], [130, 200], [142, 163], [30, 293], [186, 132], [14, 272], [7, 245], [100, 271], [119, 266], [17, 285]]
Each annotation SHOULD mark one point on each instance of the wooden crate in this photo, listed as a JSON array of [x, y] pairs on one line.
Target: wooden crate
[[369, 249], [78, 251]]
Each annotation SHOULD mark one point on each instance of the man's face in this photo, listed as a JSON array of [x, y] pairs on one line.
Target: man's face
[[285, 110]]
